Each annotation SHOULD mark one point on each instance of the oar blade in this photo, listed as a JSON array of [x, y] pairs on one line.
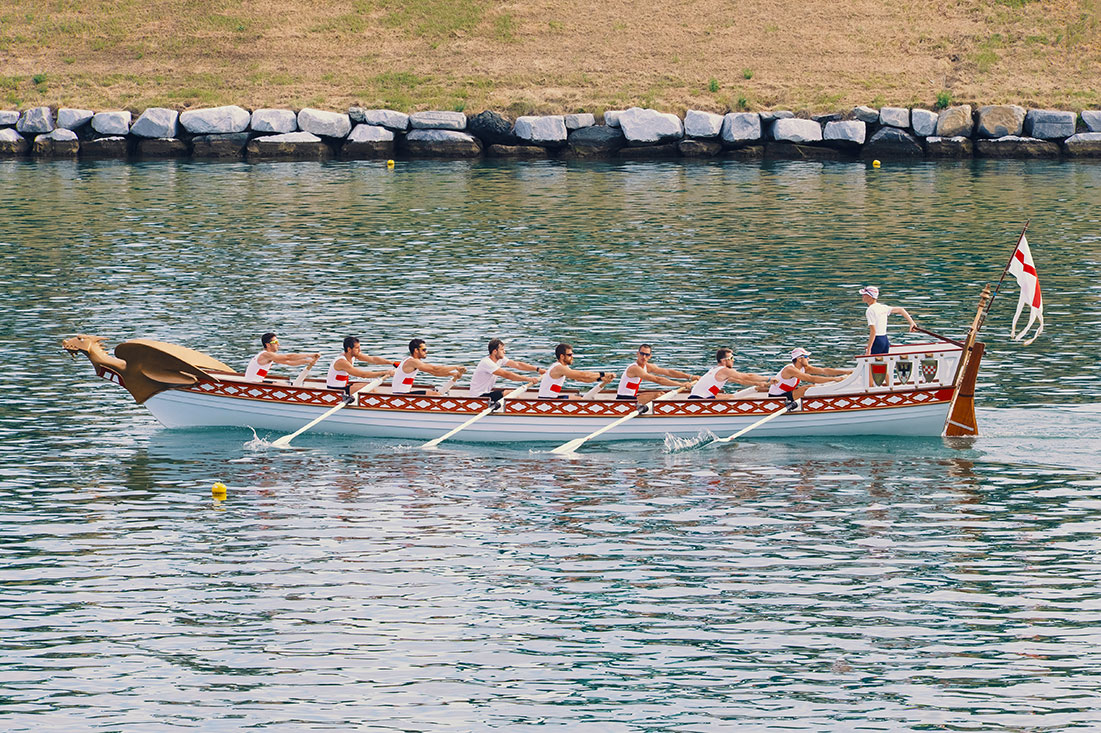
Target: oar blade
[[570, 447]]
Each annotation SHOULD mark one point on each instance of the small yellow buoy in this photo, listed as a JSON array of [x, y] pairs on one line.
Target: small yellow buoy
[[219, 490], [390, 164], [875, 164]]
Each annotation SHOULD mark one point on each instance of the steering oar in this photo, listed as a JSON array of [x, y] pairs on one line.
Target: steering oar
[[571, 447], [431, 445], [286, 439]]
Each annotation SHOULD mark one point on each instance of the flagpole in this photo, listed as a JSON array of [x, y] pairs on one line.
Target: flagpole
[[1005, 270]]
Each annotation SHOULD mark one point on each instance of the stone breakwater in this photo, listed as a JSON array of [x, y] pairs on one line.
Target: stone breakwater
[[234, 133]]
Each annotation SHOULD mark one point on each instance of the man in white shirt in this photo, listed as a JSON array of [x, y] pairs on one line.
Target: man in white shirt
[[642, 369], [550, 387], [258, 366], [877, 320], [494, 365]]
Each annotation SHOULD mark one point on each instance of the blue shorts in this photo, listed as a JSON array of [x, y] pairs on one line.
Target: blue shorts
[[881, 345]]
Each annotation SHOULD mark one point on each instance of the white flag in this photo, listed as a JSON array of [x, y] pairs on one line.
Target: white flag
[[1024, 269]]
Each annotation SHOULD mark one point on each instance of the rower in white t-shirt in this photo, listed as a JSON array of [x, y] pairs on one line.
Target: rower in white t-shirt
[[644, 370], [497, 365], [877, 320]]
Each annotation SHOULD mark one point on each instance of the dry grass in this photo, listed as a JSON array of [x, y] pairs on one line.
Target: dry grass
[[548, 55]]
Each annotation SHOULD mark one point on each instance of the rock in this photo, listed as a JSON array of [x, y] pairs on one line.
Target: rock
[[529, 152], [549, 131], [370, 134], [214, 120], [1083, 145], [492, 128], [747, 154], [770, 117], [577, 121], [114, 147], [1049, 124], [949, 147], [611, 117], [1012, 146], [650, 152], [894, 117], [740, 128], [1091, 117], [596, 141], [1000, 120], [70, 119], [161, 147], [796, 131], [794, 151], [864, 114], [436, 120], [222, 145], [924, 122], [9, 117], [954, 121], [156, 122], [111, 123], [826, 119], [849, 133], [325, 124], [61, 143], [273, 120], [367, 142], [287, 146], [891, 142], [35, 121], [12, 143], [697, 148], [649, 127], [440, 143], [388, 118], [702, 124]]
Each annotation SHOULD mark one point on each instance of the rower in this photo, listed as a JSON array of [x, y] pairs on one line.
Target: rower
[[410, 365], [550, 388], [344, 366], [644, 369], [257, 369], [493, 366], [786, 382], [710, 385]]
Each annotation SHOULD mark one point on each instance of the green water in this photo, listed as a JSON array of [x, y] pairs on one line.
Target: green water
[[803, 584]]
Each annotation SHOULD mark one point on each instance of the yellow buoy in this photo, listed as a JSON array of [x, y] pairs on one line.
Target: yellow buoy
[[875, 164], [219, 490], [389, 164]]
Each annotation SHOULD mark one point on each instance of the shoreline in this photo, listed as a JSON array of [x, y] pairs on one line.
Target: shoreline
[[233, 133]]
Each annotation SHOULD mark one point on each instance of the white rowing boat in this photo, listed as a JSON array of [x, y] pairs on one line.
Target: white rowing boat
[[908, 392]]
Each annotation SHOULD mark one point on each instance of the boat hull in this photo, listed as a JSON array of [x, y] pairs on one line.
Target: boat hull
[[919, 413]]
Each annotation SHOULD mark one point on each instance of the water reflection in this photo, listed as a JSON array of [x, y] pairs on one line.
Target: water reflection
[[813, 584]]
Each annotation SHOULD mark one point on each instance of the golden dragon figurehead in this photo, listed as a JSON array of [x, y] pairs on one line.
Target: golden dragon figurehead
[[145, 367]]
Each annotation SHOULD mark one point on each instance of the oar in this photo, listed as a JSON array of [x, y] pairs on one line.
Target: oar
[[431, 445], [762, 421], [286, 439], [446, 386], [303, 374], [572, 446], [592, 392]]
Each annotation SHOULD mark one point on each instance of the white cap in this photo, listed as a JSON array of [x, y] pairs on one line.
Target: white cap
[[797, 352], [871, 290]]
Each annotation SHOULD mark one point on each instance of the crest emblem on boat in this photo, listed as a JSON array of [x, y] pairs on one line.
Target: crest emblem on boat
[[903, 369], [879, 373], [929, 367]]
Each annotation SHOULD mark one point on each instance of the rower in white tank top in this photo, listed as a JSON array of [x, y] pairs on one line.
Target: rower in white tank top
[[783, 385], [254, 371], [337, 379], [403, 382], [550, 387], [709, 385]]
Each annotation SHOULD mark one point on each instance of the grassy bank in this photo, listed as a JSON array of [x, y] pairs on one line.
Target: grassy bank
[[549, 55]]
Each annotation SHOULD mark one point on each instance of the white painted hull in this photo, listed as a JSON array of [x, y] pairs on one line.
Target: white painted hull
[[188, 409]]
